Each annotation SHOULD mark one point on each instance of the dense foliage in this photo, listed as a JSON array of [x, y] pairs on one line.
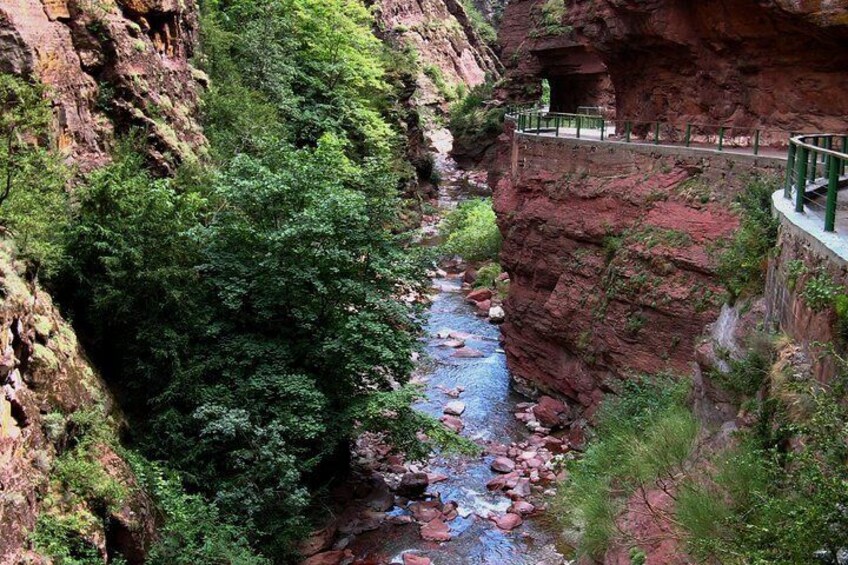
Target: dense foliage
[[771, 500], [644, 435], [472, 121], [33, 203], [247, 310], [742, 264], [471, 231]]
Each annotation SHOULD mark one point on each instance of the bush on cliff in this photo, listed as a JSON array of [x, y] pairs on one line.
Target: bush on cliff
[[475, 125], [742, 264], [471, 231], [644, 434], [779, 495], [33, 202]]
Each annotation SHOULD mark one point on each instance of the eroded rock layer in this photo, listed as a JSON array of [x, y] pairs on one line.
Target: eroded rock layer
[[110, 65], [611, 252]]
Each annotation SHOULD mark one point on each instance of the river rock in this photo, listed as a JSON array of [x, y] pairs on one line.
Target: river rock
[[425, 511], [469, 276], [434, 478], [467, 353], [412, 559], [520, 490], [454, 343], [503, 465], [454, 408], [435, 530], [317, 541], [483, 307], [497, 315], [413, 485], [328, 558], [508, 521], [551, 412], [453, 392], [479, 295], [452, 423], [522, 508]]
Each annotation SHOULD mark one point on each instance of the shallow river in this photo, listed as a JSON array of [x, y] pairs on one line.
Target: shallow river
[[490, 404]]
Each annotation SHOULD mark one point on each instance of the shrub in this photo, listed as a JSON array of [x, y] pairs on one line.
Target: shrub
[[33, 202], [193, 529], [643, 436], [487, 275], [471, 231], [63, 538], [472, 121], [742, 265], [483, 28], [748, 374], [820, 291]]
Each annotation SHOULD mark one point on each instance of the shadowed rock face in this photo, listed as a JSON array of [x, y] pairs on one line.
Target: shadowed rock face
[[108, 67], [44, 375], [773, 63]]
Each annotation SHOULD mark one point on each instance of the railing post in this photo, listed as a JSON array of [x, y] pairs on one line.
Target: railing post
[[813, 161], [688, 134], [578, 126], [801, 179], [844, 150], [832, 188], [627, 131], [757, 142], [603, 126], [539, 123], [721, 138], [790, 169], [657, 133], [556, 125], [828, 144]]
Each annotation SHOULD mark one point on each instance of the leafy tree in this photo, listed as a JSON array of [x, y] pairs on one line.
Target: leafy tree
[[471, 231], [33, 203]]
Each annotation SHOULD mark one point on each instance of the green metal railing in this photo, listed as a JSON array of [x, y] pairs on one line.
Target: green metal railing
[[817, 166], [701, 136]]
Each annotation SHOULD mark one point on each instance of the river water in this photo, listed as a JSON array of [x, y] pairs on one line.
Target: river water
[[490, 404]]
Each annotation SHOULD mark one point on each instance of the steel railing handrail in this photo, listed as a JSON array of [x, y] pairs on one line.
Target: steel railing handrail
[[799, 141], [807, 154], [663, 126]]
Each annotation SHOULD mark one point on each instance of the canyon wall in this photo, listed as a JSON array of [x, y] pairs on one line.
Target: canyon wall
[[611, 251], [806, 282], [110, 65], [772, 64], [447, 46], [49, 401]]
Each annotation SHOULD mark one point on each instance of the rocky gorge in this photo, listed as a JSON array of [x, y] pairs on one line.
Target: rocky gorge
[[281, 357]]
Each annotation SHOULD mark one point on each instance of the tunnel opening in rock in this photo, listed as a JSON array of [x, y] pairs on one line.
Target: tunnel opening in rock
[[578, 79]]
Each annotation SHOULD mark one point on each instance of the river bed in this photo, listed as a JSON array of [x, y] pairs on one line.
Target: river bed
[[488, 418]]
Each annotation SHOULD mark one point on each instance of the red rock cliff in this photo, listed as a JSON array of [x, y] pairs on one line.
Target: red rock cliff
[[766, 63], [611, 252], [110, 65], [46, 379]]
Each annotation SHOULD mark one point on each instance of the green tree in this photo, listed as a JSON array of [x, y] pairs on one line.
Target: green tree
[[33, 202]]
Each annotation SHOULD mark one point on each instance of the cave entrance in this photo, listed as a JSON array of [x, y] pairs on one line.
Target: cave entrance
[[578, 80]]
